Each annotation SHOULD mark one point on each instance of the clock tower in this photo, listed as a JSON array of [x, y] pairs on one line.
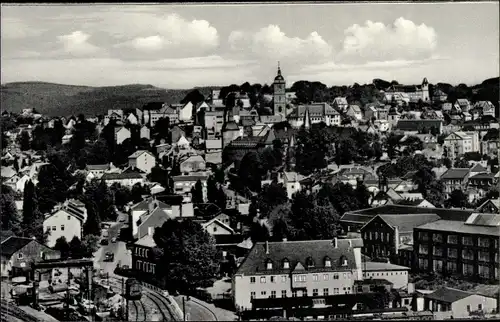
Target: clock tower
[[279, 96]]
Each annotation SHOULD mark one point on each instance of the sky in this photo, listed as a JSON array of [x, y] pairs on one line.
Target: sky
[[188, 45]]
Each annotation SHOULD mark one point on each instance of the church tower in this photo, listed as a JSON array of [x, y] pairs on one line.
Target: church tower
[[279, 96], [425, 91]]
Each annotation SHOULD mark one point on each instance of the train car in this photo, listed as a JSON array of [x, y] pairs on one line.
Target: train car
[[133, 289]]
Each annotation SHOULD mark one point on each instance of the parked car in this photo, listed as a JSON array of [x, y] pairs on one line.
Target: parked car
[[109, 257], [104, 241], [113, 240]]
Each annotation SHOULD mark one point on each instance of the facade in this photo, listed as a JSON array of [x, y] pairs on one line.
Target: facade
[[63, 223], [145, 133], [97, 170], [184, 183], [459, 143], [142, 255], [214, 120], [291, 180], [455, 179], [19, 252], [355, 112], [186, 112], [142, 160], [143, 208], [121, 134], [467, 249], [340, 104], [395, 274], [193, 163], [279, 95], [414, 93], [318, 112], [128, 179], [297, 269]]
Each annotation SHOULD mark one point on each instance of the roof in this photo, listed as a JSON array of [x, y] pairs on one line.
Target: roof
[[249, 141], [218, 222], [340, 100], [297, 253], [461, 227], [495, 202], [97, 166], [138, 153], [415, 125], [182, 141], [293, 176], [121, 176], [230, 126], [213, 144], [191, 177], [483, 175], [448, 295], [144, 205], [14, 244], [362, 216], [455, 173], [482, 219], [8, 172], [407, 222], [315, 109], [478, 168], [376, 266], [146, 241], [194, 158]]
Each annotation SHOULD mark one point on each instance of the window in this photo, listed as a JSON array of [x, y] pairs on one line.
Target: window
[[467, 269], [215, 229], [54, 228], [452, 253], [479, 307], [468, 308], [484, 242], [467, 241], [315, 292], [484, 271], [335, 291], [20, 255], [252, 280], [484, 256], [328, 263], [283, 293], [423, 263], [296, 278], [325, 292], [48, 228], [286, 264], [315, 277], [437, 266], [438, 238], [294, 293], [263, 293], [283, 279], [345, 275], [326, 277], [467, 254], [269, 265], [335, 276], [371, 236], [273, 294], [62, 227], [360, 289], [309, 262], [437, 251], [304, 293], [423, 249], [376, 235], [273, 279], [303, 278], [423, 236], [263, 280], [451, 267], [69, 217]]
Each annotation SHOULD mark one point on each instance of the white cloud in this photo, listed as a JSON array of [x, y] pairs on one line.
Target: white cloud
[[374, 41], [76, 44], [13, 28], [174, 34], [272, 43]]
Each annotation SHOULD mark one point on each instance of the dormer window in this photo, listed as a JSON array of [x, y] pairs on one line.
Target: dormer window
[[343, 261], [269, 264], [328, 262], [286, 264], [310, 262]]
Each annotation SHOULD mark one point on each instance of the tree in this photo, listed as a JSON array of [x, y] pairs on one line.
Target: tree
[[122, 195], [138, 191], [271, 195], [194, 97], [457, 199], [62, 246], [377, 150], [212, 189], [52, 186], [76, 248], [250, 171], [162, 128], [159, 175], [187, 256], [98, 193], [24, 141], [313, 149], [90, 245], [32, 217], [259, 232], [92, 225], [461, 163], [362, 194], [10, 216], [197, 192], [281, 229]]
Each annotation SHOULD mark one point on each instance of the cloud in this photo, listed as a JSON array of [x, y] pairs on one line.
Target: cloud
[[174, 34], [207, 62], [374, 41], [273, 44], [13, 28], [76, 44]]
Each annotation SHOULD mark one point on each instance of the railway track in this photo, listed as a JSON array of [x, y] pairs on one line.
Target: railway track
[[162, 303], [140, 311], [9, 309]]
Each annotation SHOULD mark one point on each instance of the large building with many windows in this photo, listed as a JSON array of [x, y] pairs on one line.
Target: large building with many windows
[[298, 269], [467, 249]]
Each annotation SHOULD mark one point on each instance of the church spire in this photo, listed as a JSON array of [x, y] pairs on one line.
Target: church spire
[[307, 119], [279, 69]]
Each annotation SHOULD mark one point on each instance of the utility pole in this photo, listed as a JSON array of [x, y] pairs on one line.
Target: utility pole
[[184, 307]]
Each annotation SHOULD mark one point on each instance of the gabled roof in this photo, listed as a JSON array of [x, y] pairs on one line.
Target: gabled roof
[[194, 158], [219, 223], [408, 222], [71, 211], [138, 153], [448, 295], [97, 167], [481, 219], [455, 173], [121, 176], [478, 168], [8, 172], [144, 205], [182, 141], [461, 227], [14, 244], [483, 175], [495, 202], [298, 253], [213, 144], [378, 266], [146, 241]]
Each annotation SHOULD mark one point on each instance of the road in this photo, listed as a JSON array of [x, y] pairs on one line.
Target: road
[[118, 249]]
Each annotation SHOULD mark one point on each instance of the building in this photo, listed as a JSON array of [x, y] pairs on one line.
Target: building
[[297, 269], [462, 104], [144, 132], [395, 274], [213, 151], [214, 120], [484, 108], [458, 143], [409, 127], [143, 259], [97, 170], [150, 113], [491, 206], [121, 134], [455, 179], [439, 96], [415, 93], [279, 95], [192, 164], [144, 208], [63, 223], [354, 111], [448, 303], [466, 249], [184, 183], [142, 160], [340, 104], [291, 181], [318, 112], [383, 235], [19, 252], [126, 179], [186, 112]]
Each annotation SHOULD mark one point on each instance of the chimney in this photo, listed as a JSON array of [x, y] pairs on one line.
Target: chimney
[[334, 242], [267, 247], [151, 231], [411, 288], [284, 239]]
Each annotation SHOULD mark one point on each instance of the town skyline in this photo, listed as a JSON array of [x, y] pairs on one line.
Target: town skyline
[[337, 44]]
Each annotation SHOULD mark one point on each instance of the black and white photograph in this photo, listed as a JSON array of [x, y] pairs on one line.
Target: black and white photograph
[[250, 161]]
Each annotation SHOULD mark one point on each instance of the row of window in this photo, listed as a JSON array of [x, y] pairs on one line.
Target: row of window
[[375, 236], [468, 254], [301, 278], [54, 228], [452, 267], [145, 266], [285, 264], [453, 239], [384, 274], [304, 293], [142, 252]]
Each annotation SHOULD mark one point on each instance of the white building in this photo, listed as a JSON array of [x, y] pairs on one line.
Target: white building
[[65, 223], [142, 160]]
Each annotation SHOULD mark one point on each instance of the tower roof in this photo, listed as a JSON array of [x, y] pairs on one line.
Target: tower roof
[[279, 77]]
